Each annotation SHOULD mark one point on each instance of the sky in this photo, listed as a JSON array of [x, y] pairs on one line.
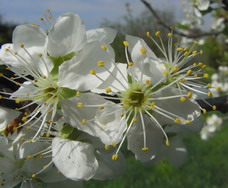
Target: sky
[[92, 12]]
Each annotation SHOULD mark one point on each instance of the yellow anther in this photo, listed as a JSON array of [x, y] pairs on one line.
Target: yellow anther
[[214, 107], [15, 53], [209, 85], [182, 99], [130, 64], [101, 107], [125, 43], [40, 156], [206, 75], [78, 94], [157, 34], [113, 144], [48, 10], [100, 63], [143, 50], [6, 49], [103, 47], [169, 34], [200, 64], [209, 94], [148, 34], [179, 49], [44, 166], [152, 105], [58, 172], [22, 45], [22, 139], [49, 111], [14, 129], [30, 142], [204, 66], [189, 95], [167, 143], [28, 127], [47, 135], [1, 74], [194, 64], [1, 97], [121, 115], [83, 122], [49, 17], [134, 120], [11, 78], [175, 68], [195, 75], [29, 157], [44, 77], [194, 53], [114, 157], [40, 55], [201, 52], [50, 121], [79, 104], [218, 88], [177, 121], [17, 100], [145, 149], [187, 121], [195, 42], [147, 82], [186, 53], [166, 73], [204, 110], [107, 147], [16, 109], [24, 119], [41, 19], [189, 72], [108, 90], [44, 14], [93, 72], [33, 175]]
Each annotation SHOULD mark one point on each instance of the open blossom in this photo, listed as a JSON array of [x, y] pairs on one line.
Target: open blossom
[[40, 58], [146, 102]]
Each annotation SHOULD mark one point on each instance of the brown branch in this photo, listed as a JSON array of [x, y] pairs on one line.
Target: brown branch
[[162, 23]]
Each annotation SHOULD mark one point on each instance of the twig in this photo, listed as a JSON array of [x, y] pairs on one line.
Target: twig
[[162, 23]]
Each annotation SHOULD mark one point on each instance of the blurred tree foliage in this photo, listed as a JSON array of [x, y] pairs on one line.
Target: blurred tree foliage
[[138, 25]]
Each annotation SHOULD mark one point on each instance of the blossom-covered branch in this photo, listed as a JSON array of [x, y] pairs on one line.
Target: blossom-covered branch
[[162, 23]]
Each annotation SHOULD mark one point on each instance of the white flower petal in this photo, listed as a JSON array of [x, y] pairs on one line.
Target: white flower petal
[[66, 35], [74, 159], [75, 73], [104, 35]]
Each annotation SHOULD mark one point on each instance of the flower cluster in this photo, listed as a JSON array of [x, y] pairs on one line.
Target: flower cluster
[[76, 106]]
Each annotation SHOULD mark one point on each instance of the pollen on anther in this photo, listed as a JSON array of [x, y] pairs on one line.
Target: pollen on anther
[[100, 63], [177, 121], [148, 34], [167, 143], [204, 110], [143, 50], [113, 144], [175, 68], [125, 43], [40, 55], [93, 72], [83, 122], [214, 107], [218, 88], [182, 99], [33, 175], [157, 34], [107, 147], [79, 104], [209, 94], [169, 34], [108, 90], [145, 149], [187, 122], [189, 95], [101, 107], [103, 47], [179, 49], [130, 64], [206, 75], [114, 157]]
